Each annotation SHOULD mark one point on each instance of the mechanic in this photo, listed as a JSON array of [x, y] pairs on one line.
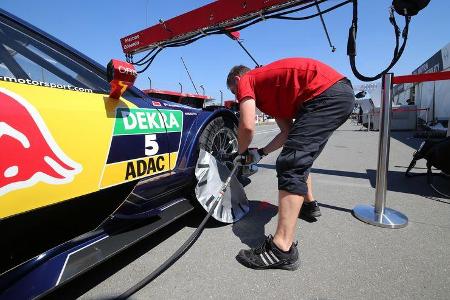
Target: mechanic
[[320, 100]]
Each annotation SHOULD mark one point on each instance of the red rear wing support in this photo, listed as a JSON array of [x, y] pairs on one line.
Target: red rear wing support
[[218, 14]]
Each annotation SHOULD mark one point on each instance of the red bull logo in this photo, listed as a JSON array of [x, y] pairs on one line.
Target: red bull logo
[[29, 153]]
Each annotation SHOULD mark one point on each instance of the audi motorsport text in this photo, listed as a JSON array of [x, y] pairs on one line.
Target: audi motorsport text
[[45, 84]]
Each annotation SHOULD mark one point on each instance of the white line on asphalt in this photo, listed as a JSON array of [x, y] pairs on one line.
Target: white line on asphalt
[[267, 131]]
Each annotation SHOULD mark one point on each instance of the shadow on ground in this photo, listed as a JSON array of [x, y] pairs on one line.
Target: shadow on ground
[[407, 138], [342, 209], [397, 181], [251, 229]]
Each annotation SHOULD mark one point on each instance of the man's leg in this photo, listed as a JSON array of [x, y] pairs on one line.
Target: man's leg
[[288, 209], [310, 208], [309, 196]]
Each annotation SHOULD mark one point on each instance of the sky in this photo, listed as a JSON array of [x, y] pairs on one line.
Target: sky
[[95, 27]]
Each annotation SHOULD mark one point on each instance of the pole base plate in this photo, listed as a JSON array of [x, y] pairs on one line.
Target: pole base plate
[[390, 219]]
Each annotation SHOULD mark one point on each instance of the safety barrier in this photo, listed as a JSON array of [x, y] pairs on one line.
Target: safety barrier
[[379, 214]]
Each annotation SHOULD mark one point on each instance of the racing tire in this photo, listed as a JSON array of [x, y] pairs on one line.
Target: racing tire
[[220, 139]]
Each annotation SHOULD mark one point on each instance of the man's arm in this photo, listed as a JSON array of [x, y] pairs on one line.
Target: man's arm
[[246, 123], [278, 141]]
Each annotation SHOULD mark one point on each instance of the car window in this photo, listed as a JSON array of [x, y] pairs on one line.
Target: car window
[[26, 60], [4, 71]]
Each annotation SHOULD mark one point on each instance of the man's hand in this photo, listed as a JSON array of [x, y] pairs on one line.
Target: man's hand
[[256, 154], [251, 156]]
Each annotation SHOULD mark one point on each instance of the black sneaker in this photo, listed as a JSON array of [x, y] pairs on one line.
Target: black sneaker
[[268, 256], [310, 210]]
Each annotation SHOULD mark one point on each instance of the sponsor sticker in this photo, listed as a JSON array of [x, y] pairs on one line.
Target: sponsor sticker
[[139, 146], [175, 105], [45, 84], [31, 154]]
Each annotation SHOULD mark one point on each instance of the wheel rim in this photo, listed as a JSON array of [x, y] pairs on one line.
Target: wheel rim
[[224, 146]]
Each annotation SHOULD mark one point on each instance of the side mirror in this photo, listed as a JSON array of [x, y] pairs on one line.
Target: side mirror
[[121, 75]]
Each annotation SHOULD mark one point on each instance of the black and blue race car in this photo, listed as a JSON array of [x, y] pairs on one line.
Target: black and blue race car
[[82, 175]]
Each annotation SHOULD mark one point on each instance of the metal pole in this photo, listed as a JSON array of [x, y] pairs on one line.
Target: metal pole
[[324, 27], [221, 98], [203, 89], [383, 145], [248, 53], [189, 74], [150, 82], [181, 87], [380, 215]]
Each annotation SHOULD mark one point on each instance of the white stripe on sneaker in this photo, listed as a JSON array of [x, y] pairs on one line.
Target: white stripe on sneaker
[[268, 258], [273, 256], [263, 259]]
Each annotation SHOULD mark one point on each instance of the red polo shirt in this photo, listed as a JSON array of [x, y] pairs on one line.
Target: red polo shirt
[[281, 87]]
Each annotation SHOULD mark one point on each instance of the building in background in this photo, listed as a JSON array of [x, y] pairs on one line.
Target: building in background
[[433, 96]]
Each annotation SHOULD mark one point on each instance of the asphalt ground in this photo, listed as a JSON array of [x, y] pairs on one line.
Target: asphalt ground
[[341, 257]]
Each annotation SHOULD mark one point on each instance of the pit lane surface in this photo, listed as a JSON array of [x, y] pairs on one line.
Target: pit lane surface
[[342, 258]]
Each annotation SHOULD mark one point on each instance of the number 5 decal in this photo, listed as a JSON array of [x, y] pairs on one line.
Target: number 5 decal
[[151, 146]]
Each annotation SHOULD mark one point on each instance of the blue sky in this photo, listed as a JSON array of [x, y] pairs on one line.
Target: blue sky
[[95, 28]]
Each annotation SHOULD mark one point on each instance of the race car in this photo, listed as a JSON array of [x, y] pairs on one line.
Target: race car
[[83, 175]]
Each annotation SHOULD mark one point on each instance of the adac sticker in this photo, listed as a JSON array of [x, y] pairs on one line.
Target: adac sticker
[[139, 144], [30, 153]]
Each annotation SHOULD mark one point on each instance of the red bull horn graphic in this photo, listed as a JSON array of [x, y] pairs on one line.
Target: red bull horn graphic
[[29, 153]]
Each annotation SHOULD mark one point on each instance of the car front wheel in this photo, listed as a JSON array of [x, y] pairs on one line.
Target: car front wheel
[[220, 139]]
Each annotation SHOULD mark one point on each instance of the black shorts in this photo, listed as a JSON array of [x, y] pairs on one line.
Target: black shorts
[[314, 124]]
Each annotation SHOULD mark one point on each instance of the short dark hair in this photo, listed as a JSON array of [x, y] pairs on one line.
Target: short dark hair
[[236, 71]]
